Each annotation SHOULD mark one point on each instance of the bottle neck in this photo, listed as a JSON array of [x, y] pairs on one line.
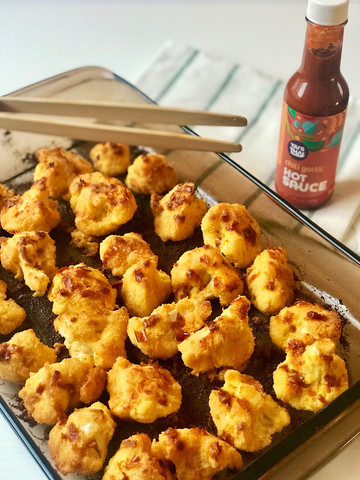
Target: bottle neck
[[322, 51]]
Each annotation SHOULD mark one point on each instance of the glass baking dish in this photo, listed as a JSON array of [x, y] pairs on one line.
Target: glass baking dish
[[327, 271]]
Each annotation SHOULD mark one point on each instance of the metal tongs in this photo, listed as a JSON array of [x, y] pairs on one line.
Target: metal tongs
[[12, 109]]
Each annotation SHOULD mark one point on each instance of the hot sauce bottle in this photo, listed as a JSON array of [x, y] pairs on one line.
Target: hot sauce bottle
[[314, 110]]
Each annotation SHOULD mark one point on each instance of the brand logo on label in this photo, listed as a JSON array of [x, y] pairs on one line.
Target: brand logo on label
[[297, 150]]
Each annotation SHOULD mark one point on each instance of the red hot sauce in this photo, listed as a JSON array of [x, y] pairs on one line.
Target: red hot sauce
[[313, 116]]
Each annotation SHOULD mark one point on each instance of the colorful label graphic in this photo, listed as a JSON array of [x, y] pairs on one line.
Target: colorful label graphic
[[308, 154]]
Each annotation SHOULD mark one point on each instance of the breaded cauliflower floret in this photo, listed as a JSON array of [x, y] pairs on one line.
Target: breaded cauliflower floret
[[110, 158], [311, 376], [5, 194], [142, 392], [78, 444], [269, 281], [60, 167], [143, 288], [23, 354], [57, 388], [80, 287], [159, 335], [232, 230], [306, 322], [11, 314], [89, 243], [205, 272], [178, 213], [31, 257], [101, 335], [34, 210], [118, 253], [227, 341], [151, 173], [244, 415], [196, 454], [134, 461], [100, 204]]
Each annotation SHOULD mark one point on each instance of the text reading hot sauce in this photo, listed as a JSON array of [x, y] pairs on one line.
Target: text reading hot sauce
[[314, 110]]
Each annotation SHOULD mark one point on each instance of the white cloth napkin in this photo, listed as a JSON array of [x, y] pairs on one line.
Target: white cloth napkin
[[181, 76]]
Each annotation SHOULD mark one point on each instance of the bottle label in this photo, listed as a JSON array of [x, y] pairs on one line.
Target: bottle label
[[308, 154]]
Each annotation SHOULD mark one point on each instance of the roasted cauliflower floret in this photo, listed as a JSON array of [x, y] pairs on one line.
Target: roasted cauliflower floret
[[118, 253], [178, 213], [232, 230], [89, 243], [269, 281], [5, 194], [196, 454], [227, 341], [206, 273], [143, 288], [306, 322], [110, 158], [151, 173], [23, 354], [159, 334], [100, 204], [78, 444], [34, 210], [57, 388], [244, 415], [101, 335], [142, 392], [11, 314], [60, 167], [80, 287], [31, 257], [135, 461], [311, 376]]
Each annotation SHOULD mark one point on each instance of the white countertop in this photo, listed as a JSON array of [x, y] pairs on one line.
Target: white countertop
[[41, 38]]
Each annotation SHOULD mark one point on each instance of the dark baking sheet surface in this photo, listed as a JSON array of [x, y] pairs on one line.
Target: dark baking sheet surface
[[194, 411]]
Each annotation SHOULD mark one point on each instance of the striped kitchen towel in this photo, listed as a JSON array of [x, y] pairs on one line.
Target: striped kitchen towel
[[181, 76]]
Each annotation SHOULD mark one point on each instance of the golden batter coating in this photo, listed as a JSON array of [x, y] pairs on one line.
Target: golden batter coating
[[135, 461], [60, 167], [142, 392], [79, 287], [225, 342], [78, 444], [151, 173], [306, 322], [11, 314], [206, 273], [111, 159], [57, 388], [269, 281], [232, 230], [34, 210], [31, 257], [118, 253], [143, 288], [100, 334], [89, 243], [100, 204], [196, 454], [311, 376], [5, 194], [159, 334], [244, 415], [178, 213], [23, 354]]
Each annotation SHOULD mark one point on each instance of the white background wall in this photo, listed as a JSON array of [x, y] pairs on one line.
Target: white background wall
[[40, 38]]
